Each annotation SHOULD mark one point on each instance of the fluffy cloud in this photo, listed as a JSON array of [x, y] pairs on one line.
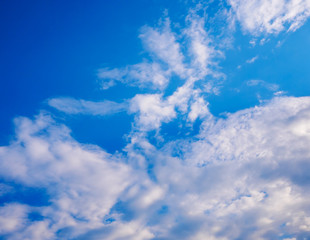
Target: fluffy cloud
[[244, 177], [270, 16], [152, 111], [83, 182], [12, 217]]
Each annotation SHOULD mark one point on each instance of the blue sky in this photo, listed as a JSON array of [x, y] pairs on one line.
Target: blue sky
[[153, 119]]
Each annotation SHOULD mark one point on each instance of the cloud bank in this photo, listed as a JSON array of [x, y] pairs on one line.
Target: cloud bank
[[244, 177]]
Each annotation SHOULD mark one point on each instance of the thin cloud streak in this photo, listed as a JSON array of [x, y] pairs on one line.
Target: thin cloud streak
[[75, 106]]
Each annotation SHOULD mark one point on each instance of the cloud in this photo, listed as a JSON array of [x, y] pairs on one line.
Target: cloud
[[82, 182], [152, 110], [244, 167], [246, 177], [252, 60], [74, 106], [270, 86], [270, 16], [12, 217], [163, 45], [202, 51], [144, 75], [191, 55]]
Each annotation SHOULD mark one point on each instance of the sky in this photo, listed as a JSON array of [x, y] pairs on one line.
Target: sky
[[155, 119]]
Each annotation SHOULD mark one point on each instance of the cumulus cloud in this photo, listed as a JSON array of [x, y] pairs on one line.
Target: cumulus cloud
[[152, 110], [244, 177], [270, 16], [83, 181], [12, 217]]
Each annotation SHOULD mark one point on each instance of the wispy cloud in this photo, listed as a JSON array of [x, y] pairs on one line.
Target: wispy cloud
[[75, 106], [269, 86], [143, 75], [162, 43], [270, 16], [191, 55], [252, 60]]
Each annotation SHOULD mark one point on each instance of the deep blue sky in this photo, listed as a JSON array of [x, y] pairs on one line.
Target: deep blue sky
[[54, 48]]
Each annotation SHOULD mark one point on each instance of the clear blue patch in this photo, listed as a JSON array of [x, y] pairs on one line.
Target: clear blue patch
[[35, 216], [179, 129], [163, 210], [109, 220], [25, 195], [174, 83], [123, 208], [105, 131]]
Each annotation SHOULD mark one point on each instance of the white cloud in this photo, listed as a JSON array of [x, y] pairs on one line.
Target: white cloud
[[12, 217], [252, 166], [162, 43], [74, 106], [83, 181], [243, 177], [252, 60], [168, 58], [270, 16], [201, 47], [152, 110], [199, 108]]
